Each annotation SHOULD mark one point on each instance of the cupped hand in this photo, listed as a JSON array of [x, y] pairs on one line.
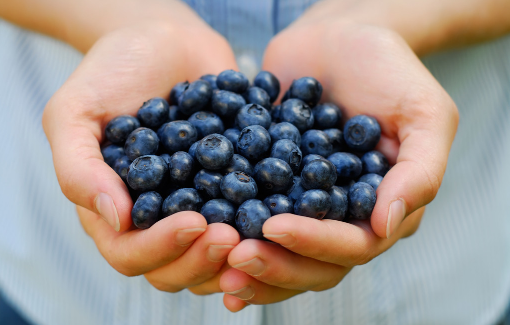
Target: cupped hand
[[122, 70], [366, 70]]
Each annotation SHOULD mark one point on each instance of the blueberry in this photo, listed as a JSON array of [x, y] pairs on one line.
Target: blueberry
[[254, 142], [318, 174], [239, 163], [372, 179], [346, 185], [181, 167], [177, 136], [252, 114], [285, 130], [184, 199], [174, 114], [193, 150], [307, 89], [146, 210], [374, 162], [232, 135], [214, 152], [326, 116], [238, 187], [267, 81], [195, 98], [362, 199], [313, 204], [306, 159], [232, 81], [166, 157], [278, 204], [206, 123], [289, 152], [298, 113], [121, 167], [336, 138], [316, 142], [219, 210], [119, 128], [177, 91], [256, 95], [111, 153], [339, 204], [362, 133], [348, 166], [275, 113], [211, 79], [226, 103], [153, 113], [286, 96], [141, 142], [273, 175], [296, 189], [250, 218], [209, 182], [146, 173]]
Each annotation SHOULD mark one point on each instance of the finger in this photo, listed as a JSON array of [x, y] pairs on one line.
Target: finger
[[139, 251], [242, 286], [212, 285], [337, 242], [277, 266], [201, 262]]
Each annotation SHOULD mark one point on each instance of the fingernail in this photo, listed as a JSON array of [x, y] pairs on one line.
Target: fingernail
[[253, 267], [218, 253], [285, 240], [107, 210], [245, 293], [185, 237], [396, 215]]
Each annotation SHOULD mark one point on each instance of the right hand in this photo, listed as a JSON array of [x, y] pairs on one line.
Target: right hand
[[123, 69]]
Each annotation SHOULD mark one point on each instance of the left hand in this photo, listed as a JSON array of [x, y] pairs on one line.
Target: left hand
[[367, 70]]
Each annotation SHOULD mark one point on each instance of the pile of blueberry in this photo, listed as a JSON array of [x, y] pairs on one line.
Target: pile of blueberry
[[222, 149]]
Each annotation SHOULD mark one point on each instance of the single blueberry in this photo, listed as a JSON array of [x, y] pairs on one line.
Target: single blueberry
[[219, 210], [295, 111], [193, 150], [232, 134], [211, 79], [174, 114], [336, 138], [256, 95], [206, 123], [177, 91], [362, 199], [313, 204], [153, 113], [348, 166], [147, 173], [111, 153], [371, 179], [374, 162], [141, 142], [238, 187], [362, 133], [166, 157], [296, 189], [226, 103], [339, 204], [326, 116], [239, 164], [316, 142], [285, 130], [146, 210], [209, 182], [252, 114], [278, 204], [119, 128], [318, 174], [275, 113], [307, 89], [306, 159], [273, 175], [254, 142], [184, 199], [232, 81], [214, 152], [267, 81], [181, 167], [121, 167], [250, 218], [177, 136], [289, 152], [195, 98]]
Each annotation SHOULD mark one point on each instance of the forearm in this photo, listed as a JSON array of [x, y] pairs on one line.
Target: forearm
[[81, 23]]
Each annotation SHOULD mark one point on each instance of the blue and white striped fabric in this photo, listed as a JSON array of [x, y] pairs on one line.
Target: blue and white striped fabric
[[454, 270]]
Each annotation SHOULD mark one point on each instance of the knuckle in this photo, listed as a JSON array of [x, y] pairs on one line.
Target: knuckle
[[363, 258], [161, 285], [192, 276], [198, 291], [326, 285]]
